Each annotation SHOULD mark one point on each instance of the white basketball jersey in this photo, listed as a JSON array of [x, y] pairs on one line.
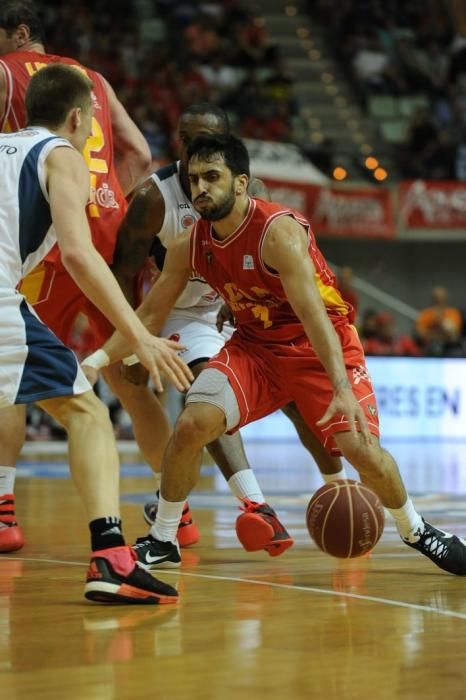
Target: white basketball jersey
[[198, 299], [26, 231]]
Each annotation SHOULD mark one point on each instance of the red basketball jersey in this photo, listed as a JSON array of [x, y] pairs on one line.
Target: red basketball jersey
[[235, 269], [107, 203]]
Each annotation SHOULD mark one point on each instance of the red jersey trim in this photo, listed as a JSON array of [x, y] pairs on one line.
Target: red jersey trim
[[233, 236]]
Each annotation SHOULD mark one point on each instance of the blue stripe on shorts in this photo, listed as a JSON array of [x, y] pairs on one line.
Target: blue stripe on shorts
[[50, 369]]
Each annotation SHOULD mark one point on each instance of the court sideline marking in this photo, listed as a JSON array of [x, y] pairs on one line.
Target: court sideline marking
[[283, 586]]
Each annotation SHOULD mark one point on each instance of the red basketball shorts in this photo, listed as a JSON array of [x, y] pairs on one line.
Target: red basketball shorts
[[266, 377]]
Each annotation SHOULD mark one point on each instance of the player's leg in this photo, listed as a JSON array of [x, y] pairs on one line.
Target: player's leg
[[49, 374], [202, 340], [151, 426], [12, 435], [228, 453], [113, 575], [379, 471], [330, 467], [212, 406], [375, 465]]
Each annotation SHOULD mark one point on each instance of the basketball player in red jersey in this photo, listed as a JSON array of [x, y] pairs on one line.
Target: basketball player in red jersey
[[293, 342], [21, 55]]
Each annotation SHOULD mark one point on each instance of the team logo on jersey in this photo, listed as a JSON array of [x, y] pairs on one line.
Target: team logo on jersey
[[248, 262], [187, 220]]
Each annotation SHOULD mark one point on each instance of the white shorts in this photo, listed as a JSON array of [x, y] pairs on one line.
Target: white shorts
[[202, 340], [34, 363]]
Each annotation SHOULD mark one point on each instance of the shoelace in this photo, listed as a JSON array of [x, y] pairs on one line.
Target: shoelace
[[434, 545]]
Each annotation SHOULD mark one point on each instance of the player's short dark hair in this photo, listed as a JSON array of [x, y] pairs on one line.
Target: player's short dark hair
[[53, 91], [201, 108], [16, 12], [233, 150]]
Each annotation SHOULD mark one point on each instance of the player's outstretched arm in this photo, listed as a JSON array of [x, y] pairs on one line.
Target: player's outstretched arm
[[68, 188], [285, 249], [141, 224], [132, 154], [161, 297]]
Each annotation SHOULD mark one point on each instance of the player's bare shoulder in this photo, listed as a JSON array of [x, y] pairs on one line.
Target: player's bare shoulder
[[66, 165], [147, 208]]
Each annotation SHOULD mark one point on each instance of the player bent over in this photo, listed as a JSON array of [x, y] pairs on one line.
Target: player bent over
[[293, 342]]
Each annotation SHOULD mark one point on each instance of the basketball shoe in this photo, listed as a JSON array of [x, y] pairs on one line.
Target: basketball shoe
[[259, 528], [114, 577], [444, 549], [154, 554], [188, 532], [11, 535]]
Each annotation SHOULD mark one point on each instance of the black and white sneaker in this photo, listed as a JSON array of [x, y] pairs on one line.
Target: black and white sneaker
[[444, 549], [153, 554]]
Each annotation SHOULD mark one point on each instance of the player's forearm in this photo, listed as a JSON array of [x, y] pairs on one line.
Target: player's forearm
[[93, 276], [312, 313], [327, 346], [133, 167]]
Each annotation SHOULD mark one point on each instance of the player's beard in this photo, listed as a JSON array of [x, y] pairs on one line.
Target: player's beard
[[221, 209]]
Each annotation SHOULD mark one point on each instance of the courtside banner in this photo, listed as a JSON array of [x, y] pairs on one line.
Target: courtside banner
[[430, 204], [360, 212], [417, 398]]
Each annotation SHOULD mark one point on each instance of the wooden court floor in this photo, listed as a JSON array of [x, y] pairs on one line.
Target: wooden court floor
[[303, 625]]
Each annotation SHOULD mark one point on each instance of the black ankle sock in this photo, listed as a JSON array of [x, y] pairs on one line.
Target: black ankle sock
[[105, 533]]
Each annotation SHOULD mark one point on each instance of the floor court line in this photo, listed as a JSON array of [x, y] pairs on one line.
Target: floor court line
[[282, 586]]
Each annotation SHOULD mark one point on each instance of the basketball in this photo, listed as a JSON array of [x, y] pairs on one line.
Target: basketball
[[345, 519]]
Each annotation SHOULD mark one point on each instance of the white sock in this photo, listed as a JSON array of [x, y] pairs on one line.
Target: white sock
[[168, 518], [334, 477], [157, 479], [7, 479], [408, 521], [244, 484]]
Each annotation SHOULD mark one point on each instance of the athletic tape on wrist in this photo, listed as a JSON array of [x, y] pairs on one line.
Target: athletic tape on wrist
[[131, 360], [97, 360]]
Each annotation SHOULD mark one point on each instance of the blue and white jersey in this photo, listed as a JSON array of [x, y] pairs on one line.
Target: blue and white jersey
[[34, 363], [198, 299], [26, 231]]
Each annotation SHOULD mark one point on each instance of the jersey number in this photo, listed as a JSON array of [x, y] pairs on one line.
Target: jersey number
[[94, 145]]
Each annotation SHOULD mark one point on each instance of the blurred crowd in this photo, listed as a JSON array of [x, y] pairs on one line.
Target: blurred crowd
[[438, 331], [163, 55], [409, 48]]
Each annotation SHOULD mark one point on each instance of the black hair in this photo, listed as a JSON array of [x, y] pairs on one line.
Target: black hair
[[53, 91], [201, 108], [232, 149], [16, 12]]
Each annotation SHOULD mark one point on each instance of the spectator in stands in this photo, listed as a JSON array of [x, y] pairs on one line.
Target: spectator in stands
[[385, 340], [439, 327], [421, 139], [368, 327]]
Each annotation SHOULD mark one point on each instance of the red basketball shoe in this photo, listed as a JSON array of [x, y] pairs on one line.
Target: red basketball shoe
[[114, 577], [188, 532], [259, 528], [11, 535]]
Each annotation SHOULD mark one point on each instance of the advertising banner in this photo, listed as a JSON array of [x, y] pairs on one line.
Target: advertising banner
[[360, 212], [417, 398]]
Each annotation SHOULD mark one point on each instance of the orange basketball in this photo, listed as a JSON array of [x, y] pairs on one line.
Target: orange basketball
[[345, 518]]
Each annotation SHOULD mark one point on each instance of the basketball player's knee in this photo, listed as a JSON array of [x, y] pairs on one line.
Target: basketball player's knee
[[86, 410], [362, 456], [198, 425]]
